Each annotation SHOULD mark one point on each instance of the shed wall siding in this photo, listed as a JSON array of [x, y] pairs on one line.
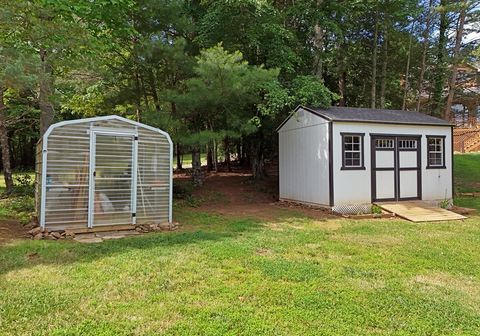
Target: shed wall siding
[[354, 186], [303, 159]]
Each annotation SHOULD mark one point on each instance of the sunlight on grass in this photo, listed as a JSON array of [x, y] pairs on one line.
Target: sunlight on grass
[[242, 277], [467, 172], [468, 202]]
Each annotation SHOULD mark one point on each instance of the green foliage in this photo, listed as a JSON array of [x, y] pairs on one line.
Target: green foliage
[[221, 95], [445, 204], [193, 201], [309, 91], [223, 72], [24, 185], [182, 188], [275, 100], [376, 209], [21, 208]]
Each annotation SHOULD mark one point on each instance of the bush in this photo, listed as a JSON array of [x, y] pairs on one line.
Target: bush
[[182, 189], [376, 209], [19, 207], [24, 185]]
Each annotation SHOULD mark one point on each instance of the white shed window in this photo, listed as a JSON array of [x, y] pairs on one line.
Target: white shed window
[[384, 143], [436, 151], [352, 151], [407, 144]]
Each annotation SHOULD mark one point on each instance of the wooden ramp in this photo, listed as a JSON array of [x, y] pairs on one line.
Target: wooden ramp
[[420, 211]]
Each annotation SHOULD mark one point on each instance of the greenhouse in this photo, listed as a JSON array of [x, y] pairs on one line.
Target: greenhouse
[[103, 172]]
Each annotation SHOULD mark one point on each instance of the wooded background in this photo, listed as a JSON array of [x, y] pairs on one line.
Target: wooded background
[[220, 75]]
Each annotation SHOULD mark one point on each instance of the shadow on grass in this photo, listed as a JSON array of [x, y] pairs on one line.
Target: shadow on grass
[[197, 228], [28, 253]]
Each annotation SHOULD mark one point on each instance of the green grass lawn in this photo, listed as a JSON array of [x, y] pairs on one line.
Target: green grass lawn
[[467, 179], [237, 276], [467, 172]]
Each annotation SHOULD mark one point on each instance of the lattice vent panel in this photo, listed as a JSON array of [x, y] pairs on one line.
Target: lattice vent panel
[[353, 209]]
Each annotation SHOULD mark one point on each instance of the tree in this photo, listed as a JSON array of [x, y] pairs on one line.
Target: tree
[[456, 59], [219, 101], [15, 73], [440, 69], [7, 170], [374, 62], [425, 37]]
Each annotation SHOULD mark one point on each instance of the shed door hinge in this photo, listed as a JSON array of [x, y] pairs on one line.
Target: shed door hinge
[[135, 137], [134, 214], [94, 173]]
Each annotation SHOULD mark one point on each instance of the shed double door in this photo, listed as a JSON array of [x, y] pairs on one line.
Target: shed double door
[[396, 168], [113, 183]]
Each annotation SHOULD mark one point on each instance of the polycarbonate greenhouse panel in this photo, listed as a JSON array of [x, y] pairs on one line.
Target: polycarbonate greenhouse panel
[[103, 171]]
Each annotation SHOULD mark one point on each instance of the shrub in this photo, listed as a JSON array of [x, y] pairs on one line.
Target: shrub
[[24, 185], [376, 209], [182, 189]]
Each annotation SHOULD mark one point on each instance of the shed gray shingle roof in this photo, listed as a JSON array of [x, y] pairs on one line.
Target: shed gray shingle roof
[[377, 116]]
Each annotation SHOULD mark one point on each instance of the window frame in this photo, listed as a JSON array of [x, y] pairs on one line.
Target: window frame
[[442, 139], [361, 151]]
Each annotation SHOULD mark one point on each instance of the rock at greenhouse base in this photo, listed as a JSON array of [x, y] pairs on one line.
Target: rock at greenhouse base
[[56, 235], [38, 236], [35, 231]]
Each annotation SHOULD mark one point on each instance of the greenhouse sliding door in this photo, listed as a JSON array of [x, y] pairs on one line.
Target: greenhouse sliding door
[[113, 183]]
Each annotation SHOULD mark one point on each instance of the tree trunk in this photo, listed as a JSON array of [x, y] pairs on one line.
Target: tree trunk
[[318, 36], [47, 112], [407, 71], [178, 152], [209, 158], [214, 149], [456, 59], [7, 171], [373, 93], [426, 34], [153, 89], [144, 91], [342, 74], [138, 96], [318, 43], [197, 177], [239, 153], [383, 84], [258, 162], [226, 143], [440, 70]]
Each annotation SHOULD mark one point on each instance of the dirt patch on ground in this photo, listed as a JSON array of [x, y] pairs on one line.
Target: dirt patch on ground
[[11, 229], [469, 287], [237, 194]]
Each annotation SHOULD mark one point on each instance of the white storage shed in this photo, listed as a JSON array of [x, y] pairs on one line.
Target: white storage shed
[[103, 171], [348, 158]]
